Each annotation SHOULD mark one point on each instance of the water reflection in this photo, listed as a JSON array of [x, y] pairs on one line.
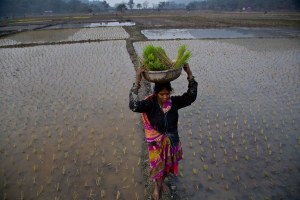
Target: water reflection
[[66, 130], [220, 33], [110, 24], [241, 137], [65, 35], [69, 25]]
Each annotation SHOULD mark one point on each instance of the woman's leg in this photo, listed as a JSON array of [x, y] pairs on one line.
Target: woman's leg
[[164, 187], [157, 188]]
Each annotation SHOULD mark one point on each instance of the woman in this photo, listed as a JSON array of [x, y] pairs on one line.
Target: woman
[[160, 118]]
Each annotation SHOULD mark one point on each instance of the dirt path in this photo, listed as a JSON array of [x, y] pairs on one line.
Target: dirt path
[[135, 36]]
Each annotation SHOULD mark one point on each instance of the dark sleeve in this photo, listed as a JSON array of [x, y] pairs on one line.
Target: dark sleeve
[[188, 97], [137, 105]]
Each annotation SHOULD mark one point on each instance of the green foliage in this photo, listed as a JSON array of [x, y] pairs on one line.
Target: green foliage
[[156, 59], [182, 57]]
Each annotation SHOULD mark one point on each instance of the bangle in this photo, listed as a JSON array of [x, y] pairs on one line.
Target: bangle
[[190, 78], [136, 85]]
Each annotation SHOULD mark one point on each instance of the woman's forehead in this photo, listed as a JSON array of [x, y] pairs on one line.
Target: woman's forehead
[[164, 91]]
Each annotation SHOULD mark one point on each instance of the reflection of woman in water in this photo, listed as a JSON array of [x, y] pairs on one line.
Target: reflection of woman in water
[[160, 118]]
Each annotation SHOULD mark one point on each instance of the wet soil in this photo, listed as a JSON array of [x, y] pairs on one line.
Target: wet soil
[[157, 19], [237, 139], [66, 130]]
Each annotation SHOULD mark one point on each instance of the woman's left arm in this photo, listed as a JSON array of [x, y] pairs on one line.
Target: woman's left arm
[[190, 95]]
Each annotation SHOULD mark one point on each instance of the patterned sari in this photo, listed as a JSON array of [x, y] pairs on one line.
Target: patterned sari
[[163, 157]]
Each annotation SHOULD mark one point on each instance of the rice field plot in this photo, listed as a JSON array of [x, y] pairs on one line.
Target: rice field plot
[[241, 136], [65, 35], [66, 129]]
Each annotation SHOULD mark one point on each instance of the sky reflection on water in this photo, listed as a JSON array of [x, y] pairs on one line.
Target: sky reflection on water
[[213, 33]]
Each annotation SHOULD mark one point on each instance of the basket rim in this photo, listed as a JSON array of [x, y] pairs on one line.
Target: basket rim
[[168, 70]]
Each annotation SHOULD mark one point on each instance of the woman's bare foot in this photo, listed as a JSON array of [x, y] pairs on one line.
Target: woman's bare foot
[[156, 193], [165, 188]]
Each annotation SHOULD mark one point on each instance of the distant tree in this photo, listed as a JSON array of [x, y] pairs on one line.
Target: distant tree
[[105, 5], [57, 6], [13, 8], [130, 4], [161, 5], [74, 5], [99, 6], [297, 4], [240, 4], [121, 7], [171, 5], [196, 5], [139, 6], [145, 4]]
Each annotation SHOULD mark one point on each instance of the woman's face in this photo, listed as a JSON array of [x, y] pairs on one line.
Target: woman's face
[[163, 96]]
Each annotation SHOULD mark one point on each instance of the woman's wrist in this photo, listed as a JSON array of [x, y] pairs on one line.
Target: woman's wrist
[[190, 77], [137, 81], [137, 84]]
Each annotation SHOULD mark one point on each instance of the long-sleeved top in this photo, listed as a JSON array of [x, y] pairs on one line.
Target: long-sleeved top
[[165, 123]]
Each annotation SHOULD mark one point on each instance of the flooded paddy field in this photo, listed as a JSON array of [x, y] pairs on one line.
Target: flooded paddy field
[[106, 23], [65, 35], [66, 129], [212, 33], [241, 137]]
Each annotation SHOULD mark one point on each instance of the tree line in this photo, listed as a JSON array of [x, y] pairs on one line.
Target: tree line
[[265, 5], [33, 7], [38, 7]]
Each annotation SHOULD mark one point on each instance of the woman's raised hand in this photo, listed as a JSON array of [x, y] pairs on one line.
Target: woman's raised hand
[[138, 77], [187, 69]]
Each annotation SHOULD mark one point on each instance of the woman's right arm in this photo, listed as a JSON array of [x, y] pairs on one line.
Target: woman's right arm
[[135, 104]]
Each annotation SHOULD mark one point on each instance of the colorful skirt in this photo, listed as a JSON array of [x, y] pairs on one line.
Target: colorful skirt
[[163, 158]]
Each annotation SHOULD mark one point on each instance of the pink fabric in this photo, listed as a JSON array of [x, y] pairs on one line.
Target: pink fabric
[[163, 158]]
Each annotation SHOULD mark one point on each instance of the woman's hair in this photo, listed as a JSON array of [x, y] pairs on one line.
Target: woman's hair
[[160, 86]]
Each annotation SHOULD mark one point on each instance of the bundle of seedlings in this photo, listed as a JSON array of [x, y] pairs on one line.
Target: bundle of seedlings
[[155, 58]]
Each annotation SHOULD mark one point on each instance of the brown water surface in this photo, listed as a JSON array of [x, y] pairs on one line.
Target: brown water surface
[[44, 35], [241, 136], [65, 35], [66, 130]]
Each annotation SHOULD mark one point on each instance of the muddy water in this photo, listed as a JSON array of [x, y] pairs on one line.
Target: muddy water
[[234, 32], [65, 35], [241, 136], [67, 133], [110, 24], [66, 130]]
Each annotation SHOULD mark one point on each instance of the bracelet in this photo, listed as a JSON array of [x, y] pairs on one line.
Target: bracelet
[[136, 85], [190, 78]]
